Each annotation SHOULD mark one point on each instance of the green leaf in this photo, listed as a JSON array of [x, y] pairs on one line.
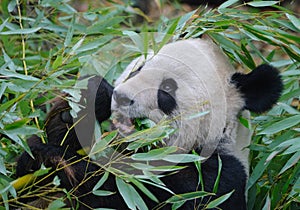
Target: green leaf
[[137, 40], [147, 167], [167, 34], [294, 20], [197, 115], [130, 195], [9, 62], [183, 158], [217, 181], [288, 108], [96, 44], [56, 181], [14, 74], [102, 26], [57, 62], [267, 205], [184, 19], [156, 154], [290, 94], [291, 162], [56, 205], [3, 25], [70, 32], [262, 3], [281, 125], [16, 124], [188, 196], [126, 192], [177, 205], [12, 5], [42, 171], [292, 145], [102, 144], [258, 171], [102, 193], [2, 167], [245, 122], [225, 42], [227, 4], [24, 130], [21, 31], [292, 149], [76, 46], [144, 190], [198, 166], [218, 201], [101, 181]]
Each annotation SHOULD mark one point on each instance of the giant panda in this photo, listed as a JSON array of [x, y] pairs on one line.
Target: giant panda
[[192, 83]]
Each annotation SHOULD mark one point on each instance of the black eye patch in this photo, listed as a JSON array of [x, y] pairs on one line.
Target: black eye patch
[[166, 97]]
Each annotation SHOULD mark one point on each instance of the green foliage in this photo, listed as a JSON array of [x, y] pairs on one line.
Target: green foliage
[[45, 47]]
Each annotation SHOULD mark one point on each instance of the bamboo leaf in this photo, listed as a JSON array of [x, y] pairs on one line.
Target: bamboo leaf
[[56, 205], [156, 154], [130, 195], [218, 201], [267, 205], [182, 158], [144, 190], [102, 193], [257, 171], [217, 181], [126, 192], [262, 3], [57, 62], [21, 31], [70, 32], [294, 20], [227, 4], [281, 125], [101, 181], [291, 162], [188, 196]]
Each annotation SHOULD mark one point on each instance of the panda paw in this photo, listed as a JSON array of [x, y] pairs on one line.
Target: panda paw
[[49, 155]]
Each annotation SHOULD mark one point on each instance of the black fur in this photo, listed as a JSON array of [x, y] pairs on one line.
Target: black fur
[[261, 88], [166, 96], [102, 100], [233, 177], [97, 99]]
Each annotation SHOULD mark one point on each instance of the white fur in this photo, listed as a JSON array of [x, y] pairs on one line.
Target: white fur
[[203, 74]]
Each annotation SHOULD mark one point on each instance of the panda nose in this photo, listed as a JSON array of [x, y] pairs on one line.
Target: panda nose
[[121, 99]]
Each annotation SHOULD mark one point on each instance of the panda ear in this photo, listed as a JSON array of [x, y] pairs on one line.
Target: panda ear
[[261, 88]]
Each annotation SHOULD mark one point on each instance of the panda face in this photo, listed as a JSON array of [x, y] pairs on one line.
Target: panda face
[[155, 91], [183, 80]]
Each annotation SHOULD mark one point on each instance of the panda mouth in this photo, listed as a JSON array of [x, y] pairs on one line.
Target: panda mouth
[[124, 124], [127, 125]]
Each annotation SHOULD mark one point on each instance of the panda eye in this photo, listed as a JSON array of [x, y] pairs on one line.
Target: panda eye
[[167, 88], [168, 85]]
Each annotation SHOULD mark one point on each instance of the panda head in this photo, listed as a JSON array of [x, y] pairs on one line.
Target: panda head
[[191, 82]]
